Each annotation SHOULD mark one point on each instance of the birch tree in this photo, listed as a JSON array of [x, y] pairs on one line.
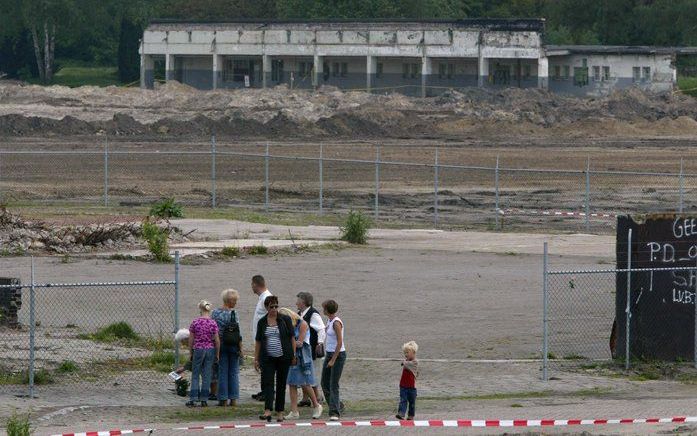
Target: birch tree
[[44, 19]]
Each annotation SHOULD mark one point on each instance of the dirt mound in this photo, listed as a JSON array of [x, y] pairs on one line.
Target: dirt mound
[[179, 110]]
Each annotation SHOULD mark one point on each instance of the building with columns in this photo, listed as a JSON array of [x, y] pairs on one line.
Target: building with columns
[[421, 57]]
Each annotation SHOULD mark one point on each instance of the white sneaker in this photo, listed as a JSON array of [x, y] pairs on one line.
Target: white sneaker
[[317, 411], [293, 415], [333, 418]]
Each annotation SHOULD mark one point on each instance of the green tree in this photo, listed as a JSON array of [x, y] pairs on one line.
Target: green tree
[[44, 19]]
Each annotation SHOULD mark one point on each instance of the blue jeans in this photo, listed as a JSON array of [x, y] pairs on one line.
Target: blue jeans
[[229, 374], [202, 368], [407, 397], [330, 382]]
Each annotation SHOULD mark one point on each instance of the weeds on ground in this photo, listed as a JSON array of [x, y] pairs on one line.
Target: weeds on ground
[[230, 251], [18, 425], [156, 238], [123, 334], [113, 332], [167, 208], [257, 250], [355, 228], [67, 367]]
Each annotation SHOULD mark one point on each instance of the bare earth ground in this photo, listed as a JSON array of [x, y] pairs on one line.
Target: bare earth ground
[[485, 287]]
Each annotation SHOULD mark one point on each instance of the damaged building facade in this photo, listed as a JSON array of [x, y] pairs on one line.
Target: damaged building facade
[[415, 57]]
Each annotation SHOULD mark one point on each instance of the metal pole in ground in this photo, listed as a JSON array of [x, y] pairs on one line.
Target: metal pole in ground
[[214, 200], [694, 301], [106, 171], [32, 330], [628, 309], [545, 300], [435, 191], [266, 179], [376, 207], [496, 185], [176, 306], [321, 180], [588, 194], [682, 186]]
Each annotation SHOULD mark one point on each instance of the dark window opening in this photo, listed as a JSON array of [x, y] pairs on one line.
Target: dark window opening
[[277, 70], [581, 76], [378, 70], [344, 69]]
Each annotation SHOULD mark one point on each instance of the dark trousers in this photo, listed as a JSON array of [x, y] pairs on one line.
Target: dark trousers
[[330, 382], [274, 368], [407, 397]]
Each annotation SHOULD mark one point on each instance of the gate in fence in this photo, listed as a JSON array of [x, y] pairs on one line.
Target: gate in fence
[[111, 333]]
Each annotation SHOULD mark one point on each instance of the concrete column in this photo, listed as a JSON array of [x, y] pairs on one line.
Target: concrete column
[[147, 71], [543, 73], [169, 67], [483, 71], [318, 68], [425, 74], [265, 69], [217, 68], [370, 70]]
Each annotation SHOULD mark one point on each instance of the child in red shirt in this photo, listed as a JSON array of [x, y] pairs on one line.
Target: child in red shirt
[[407, 384]]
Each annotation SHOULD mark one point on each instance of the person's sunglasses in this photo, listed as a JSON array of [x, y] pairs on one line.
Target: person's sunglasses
[[273, 307]]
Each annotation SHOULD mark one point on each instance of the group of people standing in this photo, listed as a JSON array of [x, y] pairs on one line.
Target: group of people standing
[[290, 348]]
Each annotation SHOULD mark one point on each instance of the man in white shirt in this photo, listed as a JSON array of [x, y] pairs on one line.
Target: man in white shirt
[[317, 335], [259, 288]]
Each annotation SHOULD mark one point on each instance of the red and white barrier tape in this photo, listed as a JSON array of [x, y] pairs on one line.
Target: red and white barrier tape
[[556, 213], [420, 423]]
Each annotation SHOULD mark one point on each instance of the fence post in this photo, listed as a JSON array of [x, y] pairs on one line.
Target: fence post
[[106, 172], [266, 179], [435, 191], [588, 193], [321, 180], [682, 187], [545, 300], [32, 330], [496, 186], [176, 307], [376, 208], [628, 309], [695, 322], [214, 200]]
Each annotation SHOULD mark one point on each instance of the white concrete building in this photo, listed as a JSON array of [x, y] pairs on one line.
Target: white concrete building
[[414, 57]]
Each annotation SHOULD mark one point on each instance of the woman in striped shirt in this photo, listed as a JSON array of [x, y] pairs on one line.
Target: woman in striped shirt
[[274, 353]]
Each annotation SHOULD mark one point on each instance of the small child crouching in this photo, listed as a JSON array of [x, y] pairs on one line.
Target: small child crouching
[[407, 384]]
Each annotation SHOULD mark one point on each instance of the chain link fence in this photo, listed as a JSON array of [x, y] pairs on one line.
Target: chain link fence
[[585, 323], [83, 331], [418, 184]]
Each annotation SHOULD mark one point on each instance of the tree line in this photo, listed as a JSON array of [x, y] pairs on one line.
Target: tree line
[[35, 35]]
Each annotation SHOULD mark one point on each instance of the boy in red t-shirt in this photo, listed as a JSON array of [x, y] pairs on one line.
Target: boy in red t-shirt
[[407, 384]]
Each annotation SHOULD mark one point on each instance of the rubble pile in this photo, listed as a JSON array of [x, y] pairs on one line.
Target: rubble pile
[[19, 236]]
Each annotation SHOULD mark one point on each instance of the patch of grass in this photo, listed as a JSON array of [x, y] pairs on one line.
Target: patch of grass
[[18, 425], [575, 357], [688, 85], [230, 251], [67, 367], [516, 405], [355, 228], [119, 256], [74, 74], [167, 208], [257, 250], [551, 356], [114, 332]]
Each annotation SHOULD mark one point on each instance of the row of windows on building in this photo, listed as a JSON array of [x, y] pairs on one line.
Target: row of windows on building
[[599, 74]]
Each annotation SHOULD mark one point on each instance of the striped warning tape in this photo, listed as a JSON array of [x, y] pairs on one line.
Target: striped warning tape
[[556, 213], [419, 423]]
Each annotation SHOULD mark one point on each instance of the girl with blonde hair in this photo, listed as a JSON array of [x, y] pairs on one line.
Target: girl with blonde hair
[[205, 343]]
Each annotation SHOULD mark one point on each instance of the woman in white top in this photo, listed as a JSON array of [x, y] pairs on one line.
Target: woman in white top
[[334, 359]]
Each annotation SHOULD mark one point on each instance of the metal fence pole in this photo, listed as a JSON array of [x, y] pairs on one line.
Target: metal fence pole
[[545, 301], [682, 187], [628, 309], [106, 172], [214, 200], [176, 306], [32, 330], [376, 207], [496, 186], [435, 191], [588, 194], [266, 179], [321, 180], [694, 301]]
